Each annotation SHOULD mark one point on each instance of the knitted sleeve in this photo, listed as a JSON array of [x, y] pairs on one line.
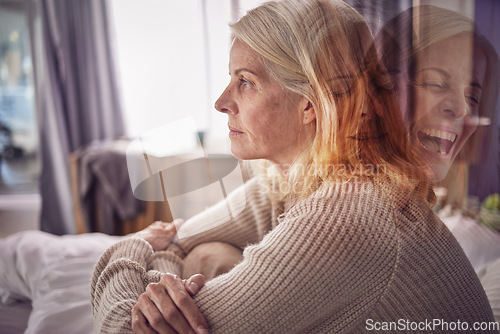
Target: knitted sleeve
[[254, 218], [119, 278], [309, 274], [124, 270]]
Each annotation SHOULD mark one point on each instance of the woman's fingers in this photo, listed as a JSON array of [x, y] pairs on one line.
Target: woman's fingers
[[167, 309], [139, 322], [184, 302], [147, 319], [194, 283], [159, 234]]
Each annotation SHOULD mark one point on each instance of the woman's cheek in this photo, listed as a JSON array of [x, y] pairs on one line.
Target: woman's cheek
[[468, 131]]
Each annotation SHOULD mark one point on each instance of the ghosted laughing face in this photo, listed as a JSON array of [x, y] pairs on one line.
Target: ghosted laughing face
[[447, 89]]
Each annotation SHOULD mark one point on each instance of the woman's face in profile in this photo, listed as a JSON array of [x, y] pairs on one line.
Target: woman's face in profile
[[447, 90], [264, 120]]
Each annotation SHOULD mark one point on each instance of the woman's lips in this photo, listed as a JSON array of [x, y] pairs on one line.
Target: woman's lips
[[234, 131], [437, 140]]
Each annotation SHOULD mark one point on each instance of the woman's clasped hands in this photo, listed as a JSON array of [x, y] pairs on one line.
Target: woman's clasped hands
[[167, 307]]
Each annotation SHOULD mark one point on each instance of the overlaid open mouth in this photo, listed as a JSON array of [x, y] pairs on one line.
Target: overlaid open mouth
[[438, 141]]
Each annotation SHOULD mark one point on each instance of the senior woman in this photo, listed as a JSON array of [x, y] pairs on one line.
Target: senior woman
[[339, 238]]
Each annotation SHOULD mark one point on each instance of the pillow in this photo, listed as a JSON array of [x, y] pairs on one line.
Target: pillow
[[480, 244], [491, 284]]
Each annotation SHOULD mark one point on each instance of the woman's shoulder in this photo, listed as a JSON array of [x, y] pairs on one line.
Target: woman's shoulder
[[362, 204], [353, 206], [353, 196]]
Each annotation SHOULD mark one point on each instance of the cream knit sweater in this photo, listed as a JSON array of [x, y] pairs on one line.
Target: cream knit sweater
[[352, 257]]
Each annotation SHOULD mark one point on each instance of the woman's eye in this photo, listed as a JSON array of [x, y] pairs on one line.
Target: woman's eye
[[473, 95], [245, 83], [433, 85], [474, 99]]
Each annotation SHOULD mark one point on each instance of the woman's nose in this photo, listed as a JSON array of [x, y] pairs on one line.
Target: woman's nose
[[456, 105], [225, 103]]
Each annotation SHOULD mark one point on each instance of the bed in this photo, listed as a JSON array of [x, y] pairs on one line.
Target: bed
[[44, 279]]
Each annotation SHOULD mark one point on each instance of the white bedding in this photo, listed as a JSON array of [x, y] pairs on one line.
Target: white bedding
[[53, 273], [480, 244]]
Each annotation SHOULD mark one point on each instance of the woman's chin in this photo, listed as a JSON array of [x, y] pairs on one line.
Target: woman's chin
[[240, 154], [438, 165], [439, 172]]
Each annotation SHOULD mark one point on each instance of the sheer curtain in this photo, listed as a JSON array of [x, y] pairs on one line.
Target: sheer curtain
[[484, 177], [76, 94]]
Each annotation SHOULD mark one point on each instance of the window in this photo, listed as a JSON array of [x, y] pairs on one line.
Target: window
[[173, 62], [19, 167]]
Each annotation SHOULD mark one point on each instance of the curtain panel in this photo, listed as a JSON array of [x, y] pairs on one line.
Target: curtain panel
[[77, 98]]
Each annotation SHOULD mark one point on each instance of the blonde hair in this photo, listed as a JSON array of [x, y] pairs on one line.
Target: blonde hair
[[323, 50], [413, 31]]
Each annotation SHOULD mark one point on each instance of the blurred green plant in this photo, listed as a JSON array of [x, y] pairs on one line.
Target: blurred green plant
[[492, 202]]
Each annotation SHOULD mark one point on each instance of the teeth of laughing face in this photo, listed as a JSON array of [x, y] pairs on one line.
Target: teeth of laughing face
[[441, 134]]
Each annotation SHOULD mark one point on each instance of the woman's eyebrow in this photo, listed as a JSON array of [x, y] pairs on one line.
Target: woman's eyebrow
[[476, 84], [443, 72], [238, 71]]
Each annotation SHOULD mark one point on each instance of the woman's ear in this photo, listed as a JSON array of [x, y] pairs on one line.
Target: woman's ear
[[308, 112]]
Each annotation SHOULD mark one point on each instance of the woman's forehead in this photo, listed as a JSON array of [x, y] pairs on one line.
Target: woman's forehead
[[457, 54], [243, 58]]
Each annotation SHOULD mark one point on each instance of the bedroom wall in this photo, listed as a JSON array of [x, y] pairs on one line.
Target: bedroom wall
[[19, 212]]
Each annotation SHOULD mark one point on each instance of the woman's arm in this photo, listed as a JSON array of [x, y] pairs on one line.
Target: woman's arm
[[119, 278], [125, 269], [324, 265], [318, 267], [321, 266], [254, 220]]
